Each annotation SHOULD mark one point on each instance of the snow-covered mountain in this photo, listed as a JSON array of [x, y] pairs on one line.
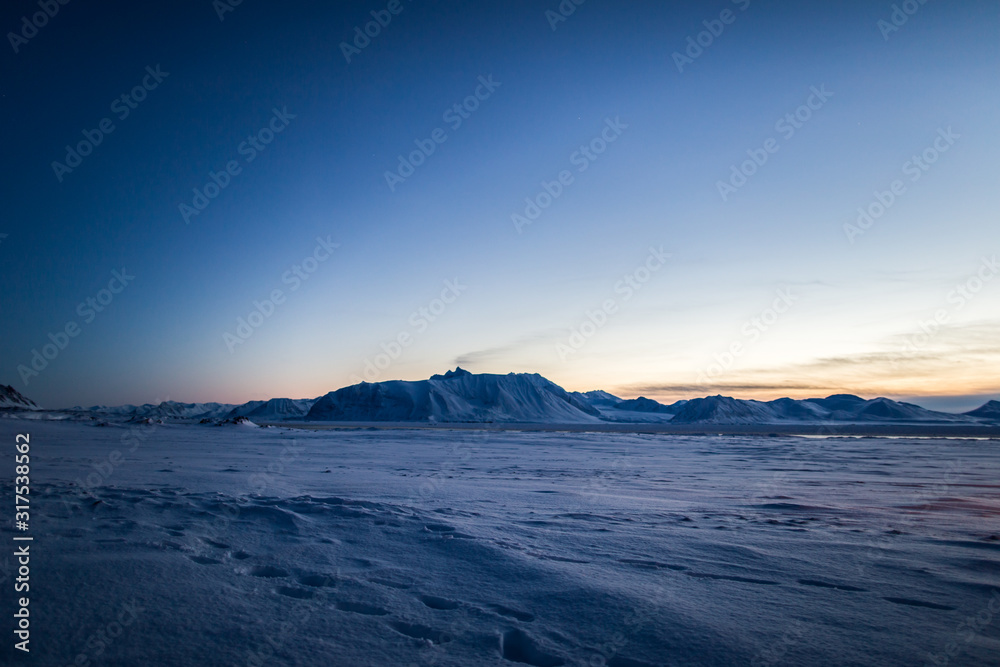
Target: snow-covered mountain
[[457, 396], [597, 398], [724, 410], [989, 410], [461, 396], [635, 410], [840, 408], [12, 399], [166, 409], [276, 409], [643, 404]]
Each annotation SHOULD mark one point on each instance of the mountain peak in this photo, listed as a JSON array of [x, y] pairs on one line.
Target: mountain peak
[[457, 373], [989, 410], [12, 398]]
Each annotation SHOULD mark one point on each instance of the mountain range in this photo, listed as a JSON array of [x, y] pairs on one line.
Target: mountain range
[[460, 396]]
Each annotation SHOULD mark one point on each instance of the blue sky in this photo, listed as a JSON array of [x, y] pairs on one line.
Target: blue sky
[[878, 310]]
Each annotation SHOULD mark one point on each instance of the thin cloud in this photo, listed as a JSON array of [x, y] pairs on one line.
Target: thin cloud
[[505, 353]]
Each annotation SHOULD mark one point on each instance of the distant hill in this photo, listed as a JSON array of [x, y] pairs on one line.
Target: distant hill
[[643, 404], [165, 409], [724, 410], [276, 409], [636, 410], [597, 398], [840, 408], [988, 410]]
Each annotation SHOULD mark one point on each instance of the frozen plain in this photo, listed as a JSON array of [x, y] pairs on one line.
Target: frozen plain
[[232, 545]]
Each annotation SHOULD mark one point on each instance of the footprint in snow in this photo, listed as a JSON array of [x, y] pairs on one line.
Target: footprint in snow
[[213, 543], [297, 593], [441, 604], [518, 646], [317, 580], [204, 560], [268, 571]]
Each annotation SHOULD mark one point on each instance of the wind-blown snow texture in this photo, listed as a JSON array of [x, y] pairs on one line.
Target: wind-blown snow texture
[[232, 546]]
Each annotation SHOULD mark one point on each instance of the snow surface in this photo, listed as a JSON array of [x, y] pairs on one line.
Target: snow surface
[[439, 547]]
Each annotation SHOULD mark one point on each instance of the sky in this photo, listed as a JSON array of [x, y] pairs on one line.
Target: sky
[[751, 198]]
